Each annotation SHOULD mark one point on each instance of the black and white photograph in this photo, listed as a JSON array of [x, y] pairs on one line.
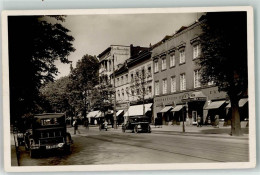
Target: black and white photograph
[[129, 89]]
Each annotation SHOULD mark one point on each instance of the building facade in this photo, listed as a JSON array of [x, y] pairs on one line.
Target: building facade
[[134, 81], [178, 93]]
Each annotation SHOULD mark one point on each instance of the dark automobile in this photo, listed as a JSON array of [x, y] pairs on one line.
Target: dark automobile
[[137, 124], [48, 132]]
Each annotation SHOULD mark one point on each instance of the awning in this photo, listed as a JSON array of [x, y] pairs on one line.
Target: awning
[[138, 110], [119, 112], [177, 108], [241, 103], [215, 104], [93, 114], [166, 109]]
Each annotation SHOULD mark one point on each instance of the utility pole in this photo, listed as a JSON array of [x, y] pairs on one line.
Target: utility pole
[[115, 121]]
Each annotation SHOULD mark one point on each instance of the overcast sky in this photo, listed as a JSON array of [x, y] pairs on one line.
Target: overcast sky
[[94, 33]]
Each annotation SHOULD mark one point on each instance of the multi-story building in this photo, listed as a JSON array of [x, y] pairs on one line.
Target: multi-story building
[[178, 93], [115, 55], [134, 82]]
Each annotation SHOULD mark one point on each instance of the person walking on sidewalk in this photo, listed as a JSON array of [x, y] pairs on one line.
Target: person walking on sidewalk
[[217, 121], [75, 124], [199, 121]]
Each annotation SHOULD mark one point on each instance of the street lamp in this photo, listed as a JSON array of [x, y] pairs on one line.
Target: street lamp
[[114, 81]]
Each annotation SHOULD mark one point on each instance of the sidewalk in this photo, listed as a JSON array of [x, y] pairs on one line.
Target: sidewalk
[[190, 130]]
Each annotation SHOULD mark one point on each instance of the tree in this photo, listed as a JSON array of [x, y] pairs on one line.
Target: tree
[[83, 79], [138, 86], [34, 45], [57, 95], [224, 57]]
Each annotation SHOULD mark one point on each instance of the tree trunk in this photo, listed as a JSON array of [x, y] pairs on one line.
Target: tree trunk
[[235, 119]]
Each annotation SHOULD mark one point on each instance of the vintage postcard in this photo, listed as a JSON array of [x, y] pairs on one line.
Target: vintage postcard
[[129, 89]]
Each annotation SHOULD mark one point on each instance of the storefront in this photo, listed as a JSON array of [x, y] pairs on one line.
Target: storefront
[[243, 109], [166, 116], [216, 110], [138, 110]]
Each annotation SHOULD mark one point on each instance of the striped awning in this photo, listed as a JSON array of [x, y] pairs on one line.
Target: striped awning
[[215, 104], [241, 103], [177, 108], [119, 112], [138, 109], [166, 109]]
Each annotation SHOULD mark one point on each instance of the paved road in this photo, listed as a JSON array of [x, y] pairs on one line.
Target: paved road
[[115, 147]]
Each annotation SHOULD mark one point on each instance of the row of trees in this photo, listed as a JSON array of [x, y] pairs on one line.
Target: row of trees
[[74, 93], [34, 45]]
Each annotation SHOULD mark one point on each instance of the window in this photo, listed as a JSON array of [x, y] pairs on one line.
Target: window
[[164, 86], [182, 82], [196, 79], [150, 89], [149, 72], [156, 67], [196, 51], [164, 63], [118, 93], [118, 83], [182, 56], [123, 93], [173, 84], [127, 91], [172, 60], [126, 78], [132, 77], [157, 88], [122, 80]]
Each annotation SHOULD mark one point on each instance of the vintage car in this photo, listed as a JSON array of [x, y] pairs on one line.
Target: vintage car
[[48, 132], [137, 124]]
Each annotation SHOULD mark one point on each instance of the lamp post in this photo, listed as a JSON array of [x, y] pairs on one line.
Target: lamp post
[[185, 99], [114, 82]]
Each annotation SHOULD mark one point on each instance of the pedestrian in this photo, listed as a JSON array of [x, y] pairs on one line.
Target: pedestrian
[[87, 124], [75, 124], [217, 121], [199, 121]]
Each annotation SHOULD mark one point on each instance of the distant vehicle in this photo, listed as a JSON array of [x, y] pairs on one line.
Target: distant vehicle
[[48, 132], [137, 124]]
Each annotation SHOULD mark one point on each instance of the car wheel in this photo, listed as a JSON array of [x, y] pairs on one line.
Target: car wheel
[[136, 129]]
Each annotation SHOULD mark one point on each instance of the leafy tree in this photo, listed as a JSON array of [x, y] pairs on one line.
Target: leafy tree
[[138, 88], [34, 45], [103, 96], [224, 57], [57, 95], [83, 79]]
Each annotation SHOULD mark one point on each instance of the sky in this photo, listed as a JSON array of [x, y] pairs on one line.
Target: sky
[[94, 33]]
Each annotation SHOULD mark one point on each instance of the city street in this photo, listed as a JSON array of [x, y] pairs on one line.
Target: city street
[[161, 146]]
